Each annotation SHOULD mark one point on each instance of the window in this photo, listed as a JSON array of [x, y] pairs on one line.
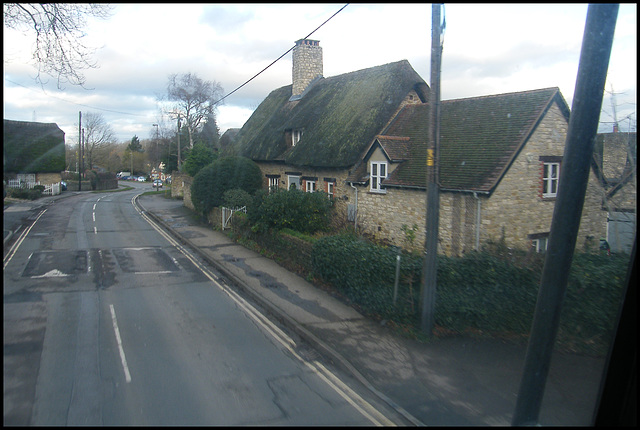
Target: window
[[539, 245], [310, 186], [330, 189], [539, 242], [550, 175], [295, 136], [378, 174], [294, 182], [274, 183]]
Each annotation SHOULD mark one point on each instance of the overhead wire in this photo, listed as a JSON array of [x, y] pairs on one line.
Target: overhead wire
[[214, 103], [277, 59]]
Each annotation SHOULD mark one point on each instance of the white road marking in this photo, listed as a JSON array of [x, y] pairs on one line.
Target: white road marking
[[360, 404], [123, 358]]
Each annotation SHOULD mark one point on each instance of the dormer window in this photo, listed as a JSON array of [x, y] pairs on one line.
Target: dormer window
[[378, 174], [295, 136]]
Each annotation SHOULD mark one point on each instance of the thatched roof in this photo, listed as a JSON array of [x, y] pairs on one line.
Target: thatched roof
[[32, 147], [338, 116]]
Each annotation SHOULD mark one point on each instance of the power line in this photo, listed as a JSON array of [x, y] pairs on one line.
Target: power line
[[277, 59]]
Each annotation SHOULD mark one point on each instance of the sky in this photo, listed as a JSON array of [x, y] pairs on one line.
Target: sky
[[488, 49]]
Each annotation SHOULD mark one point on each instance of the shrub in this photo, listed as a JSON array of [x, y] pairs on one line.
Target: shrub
[[200, 156], [293, 209], [224, 174], [237, 198], [25, 193]]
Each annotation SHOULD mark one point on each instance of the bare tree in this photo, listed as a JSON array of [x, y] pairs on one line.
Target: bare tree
[[195, 99], [98, 136], [59, 29]]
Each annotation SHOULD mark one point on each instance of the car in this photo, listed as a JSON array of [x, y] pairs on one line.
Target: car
[[141, 179], [63, 185], [157, 183]]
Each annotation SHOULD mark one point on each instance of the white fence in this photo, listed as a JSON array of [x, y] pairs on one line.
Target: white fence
[[49, 190], [228, 213]]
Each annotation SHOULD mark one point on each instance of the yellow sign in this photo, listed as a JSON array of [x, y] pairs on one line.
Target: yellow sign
[[430, 162]]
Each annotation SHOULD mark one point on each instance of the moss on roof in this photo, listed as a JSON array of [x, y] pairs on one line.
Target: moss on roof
[[479, 137], [339, 117], [33, 147]]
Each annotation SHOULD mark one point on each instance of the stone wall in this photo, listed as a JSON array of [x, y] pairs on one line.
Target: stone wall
[[515, 211]]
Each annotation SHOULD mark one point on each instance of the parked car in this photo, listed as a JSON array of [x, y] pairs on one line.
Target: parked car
[[157, 183], [141, 179]]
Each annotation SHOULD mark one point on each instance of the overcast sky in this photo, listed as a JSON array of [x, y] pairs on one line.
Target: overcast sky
[[488, 49]]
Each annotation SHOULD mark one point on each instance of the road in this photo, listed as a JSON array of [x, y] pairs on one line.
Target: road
[[108, 321]]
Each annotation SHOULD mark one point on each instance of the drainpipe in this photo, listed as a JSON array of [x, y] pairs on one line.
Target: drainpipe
[[355, 215]]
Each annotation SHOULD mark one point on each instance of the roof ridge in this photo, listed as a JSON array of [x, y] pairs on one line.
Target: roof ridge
[[388, 137], [487, 96]]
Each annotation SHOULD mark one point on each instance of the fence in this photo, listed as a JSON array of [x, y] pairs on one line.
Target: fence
[[228, 213], [49, 189]]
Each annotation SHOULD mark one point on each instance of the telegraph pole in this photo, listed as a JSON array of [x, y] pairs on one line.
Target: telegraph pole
[[178, 142], [79, 150], [429, 267]]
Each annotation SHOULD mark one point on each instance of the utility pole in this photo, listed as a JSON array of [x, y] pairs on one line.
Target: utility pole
[[583, 126], [178, 142], [79, 150], [429, 267]]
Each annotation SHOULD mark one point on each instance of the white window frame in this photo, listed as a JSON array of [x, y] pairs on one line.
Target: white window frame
[[378, 171], [296, 135], [550, 178], [274, 183], [310, 186], [330, 189], [289, 177], [540, 245]]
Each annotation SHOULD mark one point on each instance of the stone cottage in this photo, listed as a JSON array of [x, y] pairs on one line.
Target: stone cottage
[[309, 135], [33, 151]]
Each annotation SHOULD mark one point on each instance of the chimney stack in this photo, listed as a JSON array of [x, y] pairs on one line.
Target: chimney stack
[[307, 65]]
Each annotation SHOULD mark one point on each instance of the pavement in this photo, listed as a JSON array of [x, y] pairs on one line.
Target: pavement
[[453, 381]]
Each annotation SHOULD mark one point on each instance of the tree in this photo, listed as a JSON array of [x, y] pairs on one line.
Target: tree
[[200, 155], [98, 137], [59, 29], [134, 147], [194, 100]]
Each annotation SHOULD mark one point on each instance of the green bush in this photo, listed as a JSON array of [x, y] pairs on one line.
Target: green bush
[[237, 198], [200, 156], [224, 174], [25, 193], [292, 209], [480, 291]]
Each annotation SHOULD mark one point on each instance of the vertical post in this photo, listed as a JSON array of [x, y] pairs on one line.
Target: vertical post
[[178, 142], [583, 126], [79, 150], [429, 268]]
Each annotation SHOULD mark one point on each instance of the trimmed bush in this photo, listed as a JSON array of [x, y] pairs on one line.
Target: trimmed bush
[[292, 209], [224, 174]]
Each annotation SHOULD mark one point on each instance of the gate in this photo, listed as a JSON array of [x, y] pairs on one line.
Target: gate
[[228, 213]]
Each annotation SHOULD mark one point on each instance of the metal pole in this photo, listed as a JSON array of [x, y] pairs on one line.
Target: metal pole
[[429, 268], [583, 126]]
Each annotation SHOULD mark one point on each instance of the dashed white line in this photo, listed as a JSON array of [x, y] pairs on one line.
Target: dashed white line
[[123, 358]]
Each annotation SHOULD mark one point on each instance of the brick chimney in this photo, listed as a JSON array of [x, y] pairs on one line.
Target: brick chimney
[[307, 65]]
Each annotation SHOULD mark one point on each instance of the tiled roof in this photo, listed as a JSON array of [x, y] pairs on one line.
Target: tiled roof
[[479, 137], [338, 116]]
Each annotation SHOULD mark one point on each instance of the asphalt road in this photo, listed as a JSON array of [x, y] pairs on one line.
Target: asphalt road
[[107, 322]]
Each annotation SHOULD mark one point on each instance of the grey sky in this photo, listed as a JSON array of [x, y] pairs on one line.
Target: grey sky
[[488, 49]]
